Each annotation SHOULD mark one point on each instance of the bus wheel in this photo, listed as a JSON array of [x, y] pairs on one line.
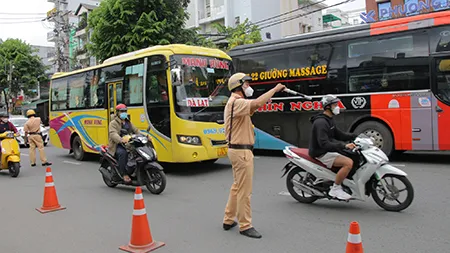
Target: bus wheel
[[381, 134], [77, 148]]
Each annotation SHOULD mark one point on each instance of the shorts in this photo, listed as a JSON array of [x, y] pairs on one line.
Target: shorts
[[328, 159]]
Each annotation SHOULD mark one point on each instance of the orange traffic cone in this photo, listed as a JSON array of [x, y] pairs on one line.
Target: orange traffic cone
[[141, 236], [50, 199], [354, 242]]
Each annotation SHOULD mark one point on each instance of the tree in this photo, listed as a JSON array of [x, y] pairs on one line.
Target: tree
[[242, 34], [27, 70], [121, 26]]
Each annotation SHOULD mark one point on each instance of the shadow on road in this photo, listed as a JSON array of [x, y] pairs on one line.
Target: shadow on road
[[424, 157], [195, 168]]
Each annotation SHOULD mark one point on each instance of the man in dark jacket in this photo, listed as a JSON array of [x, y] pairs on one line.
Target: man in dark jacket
[[327, 141]]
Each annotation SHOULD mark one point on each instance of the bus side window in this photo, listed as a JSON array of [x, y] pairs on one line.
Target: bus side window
[[389, 63]]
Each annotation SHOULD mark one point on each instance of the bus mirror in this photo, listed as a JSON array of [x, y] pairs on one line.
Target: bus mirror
[[148, 128], [176, 76]]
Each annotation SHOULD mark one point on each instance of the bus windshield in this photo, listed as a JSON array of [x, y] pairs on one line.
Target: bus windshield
[[199, 86]]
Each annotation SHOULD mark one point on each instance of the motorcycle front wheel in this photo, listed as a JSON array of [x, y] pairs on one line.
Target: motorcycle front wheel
[[156, 181], [304, 197], [14, 169], [394, 193]]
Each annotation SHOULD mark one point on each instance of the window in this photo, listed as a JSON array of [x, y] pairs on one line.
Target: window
[[388, 63], [129, 79], [383, 11], [133, 83], [325, 64], [59, 94], [442, 85], [97, 90], [440, 39], [77, 89], [259, 67]]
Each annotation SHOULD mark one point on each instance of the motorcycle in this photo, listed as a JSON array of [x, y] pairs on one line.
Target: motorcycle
[[142, 163], [368, 177], [10, 157]]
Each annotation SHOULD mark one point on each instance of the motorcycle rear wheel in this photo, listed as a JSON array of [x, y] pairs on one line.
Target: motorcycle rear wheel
[[156, 181], [107, 181], [394, 193], [290, 186]]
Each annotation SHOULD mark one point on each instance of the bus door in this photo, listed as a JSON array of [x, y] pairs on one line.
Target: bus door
[[440, 78], [114, 97]]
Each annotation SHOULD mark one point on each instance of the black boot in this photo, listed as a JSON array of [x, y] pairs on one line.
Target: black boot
[[251, 232], [228, 226]]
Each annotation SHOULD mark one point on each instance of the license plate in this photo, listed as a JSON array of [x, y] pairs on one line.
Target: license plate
[[222, 151]]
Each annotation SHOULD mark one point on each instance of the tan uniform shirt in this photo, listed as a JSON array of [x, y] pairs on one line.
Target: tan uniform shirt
[[33, 125], [242, 129]]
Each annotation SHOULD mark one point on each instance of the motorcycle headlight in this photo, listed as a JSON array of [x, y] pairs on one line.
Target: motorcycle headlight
[[145, 155], [144, 140]]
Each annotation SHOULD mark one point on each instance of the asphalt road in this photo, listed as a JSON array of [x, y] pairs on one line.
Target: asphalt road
[[187, 216]]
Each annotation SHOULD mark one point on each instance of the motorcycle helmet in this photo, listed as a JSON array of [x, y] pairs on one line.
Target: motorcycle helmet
[[328, 100], [237, 80]]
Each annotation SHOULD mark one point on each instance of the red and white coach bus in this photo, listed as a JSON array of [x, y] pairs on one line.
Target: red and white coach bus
[[393, 78]]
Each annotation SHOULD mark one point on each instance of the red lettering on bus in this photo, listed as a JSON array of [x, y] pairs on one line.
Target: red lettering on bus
[[195, 62], [308, 106], [269, 107]]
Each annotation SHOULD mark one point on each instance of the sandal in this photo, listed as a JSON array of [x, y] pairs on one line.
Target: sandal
[[127, 179]]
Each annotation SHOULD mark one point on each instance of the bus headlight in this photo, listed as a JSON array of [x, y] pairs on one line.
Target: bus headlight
[[192, 140]]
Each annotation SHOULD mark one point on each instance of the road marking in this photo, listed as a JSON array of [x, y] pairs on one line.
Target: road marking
[[284, 193], [25, 154], [256, 157], [74, 163]]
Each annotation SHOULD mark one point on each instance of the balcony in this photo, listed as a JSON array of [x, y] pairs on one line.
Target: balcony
[[51, 36], [211, 14], [51, 56]]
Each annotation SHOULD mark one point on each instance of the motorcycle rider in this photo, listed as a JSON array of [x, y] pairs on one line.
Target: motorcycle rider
[[328, 141], [5, 124], [121, 121]]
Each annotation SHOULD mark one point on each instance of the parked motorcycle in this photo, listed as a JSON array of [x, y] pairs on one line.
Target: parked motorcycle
[[142, 163], [372, 175], [10, 157]]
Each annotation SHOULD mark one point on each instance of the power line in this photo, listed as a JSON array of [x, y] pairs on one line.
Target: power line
[[6, 13], [15, 18], [289, 12], [20, 22], [301, 15]]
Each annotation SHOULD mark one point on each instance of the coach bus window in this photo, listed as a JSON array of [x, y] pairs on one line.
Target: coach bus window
[[77, 88], [440, 39], [260, 66], [443, 80], [59, 94], [388, 63]]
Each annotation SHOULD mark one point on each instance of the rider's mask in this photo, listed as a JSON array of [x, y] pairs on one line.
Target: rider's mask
[[4, 120], [336, 109], [123, 115]]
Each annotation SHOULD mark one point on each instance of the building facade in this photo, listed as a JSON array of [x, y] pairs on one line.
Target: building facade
[[204, 13], [378, 10], [65, 23], [82, 37]]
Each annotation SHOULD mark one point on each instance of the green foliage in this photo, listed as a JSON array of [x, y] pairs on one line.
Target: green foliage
[[242, 34], [121, 26], [28, 69]]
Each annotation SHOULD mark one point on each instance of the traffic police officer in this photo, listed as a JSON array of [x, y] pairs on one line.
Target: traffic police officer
[[240, 136], [32, 129]]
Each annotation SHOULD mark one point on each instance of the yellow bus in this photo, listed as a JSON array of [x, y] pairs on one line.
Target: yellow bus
[[176, 93]]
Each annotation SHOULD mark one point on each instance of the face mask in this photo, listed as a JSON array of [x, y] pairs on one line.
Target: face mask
[[336, 110], [123, 115], [248, 92]]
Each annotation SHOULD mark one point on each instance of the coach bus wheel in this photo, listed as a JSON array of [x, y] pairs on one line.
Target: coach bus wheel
[[77, 148], [381, 134]]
